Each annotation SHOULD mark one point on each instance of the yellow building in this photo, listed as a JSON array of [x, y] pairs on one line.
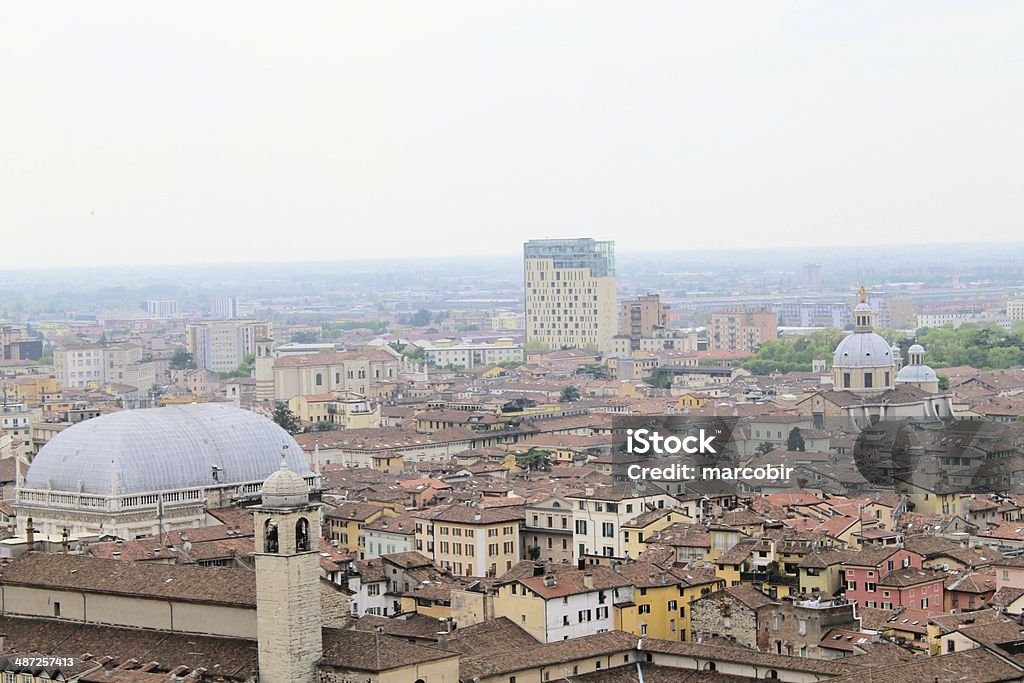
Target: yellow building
[[932, 497], [345, 522], [661, 600], [33, 390], [635, 532], [469, 541], [343, 408]]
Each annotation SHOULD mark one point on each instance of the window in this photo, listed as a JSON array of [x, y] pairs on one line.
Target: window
[[644, 609], [608, 530], [581, 526], [924, 603], [56, 609], [846, 380], [869, 379], [869, 587], [950, 645]]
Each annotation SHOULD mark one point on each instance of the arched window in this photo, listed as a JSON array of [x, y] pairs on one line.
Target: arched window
[[319, 379], [710, 666], [302, 535], [362, 373], [270, 544]]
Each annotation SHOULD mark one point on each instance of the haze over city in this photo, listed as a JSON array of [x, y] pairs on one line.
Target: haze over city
[[350, 130]]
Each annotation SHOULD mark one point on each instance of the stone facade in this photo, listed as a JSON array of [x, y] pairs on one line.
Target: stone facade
[[288, 593]]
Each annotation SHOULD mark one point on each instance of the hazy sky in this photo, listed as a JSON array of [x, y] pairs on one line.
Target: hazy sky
[[233, 131]]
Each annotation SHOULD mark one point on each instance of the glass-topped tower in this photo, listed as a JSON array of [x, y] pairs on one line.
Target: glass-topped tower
[[570, 293]]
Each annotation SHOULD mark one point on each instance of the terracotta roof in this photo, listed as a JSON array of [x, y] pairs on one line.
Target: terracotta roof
[[489, 637], [230, 657], [374, 652], [970, 666], [497, 664], [186, 583], [464, 514]]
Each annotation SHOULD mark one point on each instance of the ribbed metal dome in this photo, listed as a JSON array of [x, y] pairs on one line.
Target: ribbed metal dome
[[285, 489], [164, 449]]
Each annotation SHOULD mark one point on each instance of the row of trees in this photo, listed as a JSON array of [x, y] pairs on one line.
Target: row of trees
[[986, 347]]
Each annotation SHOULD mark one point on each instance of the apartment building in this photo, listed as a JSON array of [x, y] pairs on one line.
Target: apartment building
[[160, 309], [224, 308], [469, 541], [559, 603], [547, 531], [319, 373], [221, 345], [1015, 309], [640, 317], [446, 353], [600, 512], [78, 365], [742, 329], [570, 293]]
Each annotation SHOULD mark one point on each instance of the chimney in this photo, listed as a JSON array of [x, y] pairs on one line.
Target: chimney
[[588, 579], [30, 537], [581, 564], [538, 569]]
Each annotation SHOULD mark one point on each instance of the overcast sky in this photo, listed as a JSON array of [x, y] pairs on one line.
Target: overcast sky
[[218, 131]]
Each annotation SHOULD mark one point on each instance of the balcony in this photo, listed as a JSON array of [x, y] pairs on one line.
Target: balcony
[[769, 578]]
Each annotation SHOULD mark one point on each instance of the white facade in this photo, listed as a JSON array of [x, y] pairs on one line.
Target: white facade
[[583, 614], [597, 523], [221, 345], [78, 366], [162, 308], [468, 354]]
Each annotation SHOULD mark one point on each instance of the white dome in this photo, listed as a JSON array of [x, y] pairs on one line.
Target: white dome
[[285, 489], [164, 449], [863, 350], [916, 348], [916, 374]]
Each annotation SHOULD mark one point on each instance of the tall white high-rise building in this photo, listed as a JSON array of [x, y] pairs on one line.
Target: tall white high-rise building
[[570, 293], [162, 308], [220, 345], [224, 307]]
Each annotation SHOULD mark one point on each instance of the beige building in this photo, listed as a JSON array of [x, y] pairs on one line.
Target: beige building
[[320, 373], [640, 317], [343, 408], [570, 293], [468, 354], [469, 541], [221, 345], [742, 329]]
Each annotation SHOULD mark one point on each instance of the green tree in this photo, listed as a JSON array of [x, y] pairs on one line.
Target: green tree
[[795, 442], [535, 459], [569, 394], [764, 447], [660, 380], [420, 318], [285, 418], [182, 360], [943, 382]]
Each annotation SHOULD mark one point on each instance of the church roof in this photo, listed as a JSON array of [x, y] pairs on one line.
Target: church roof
[[863, 350], [164, 449]]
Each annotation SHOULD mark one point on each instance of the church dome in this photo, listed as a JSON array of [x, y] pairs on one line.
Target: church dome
[[916, 348], [285, 489], [164, 449], [863, 350], [916, 374]]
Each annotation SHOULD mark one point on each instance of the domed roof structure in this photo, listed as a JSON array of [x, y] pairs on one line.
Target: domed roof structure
[[863, 350], [164, 449], [916, 373], [285, 489]]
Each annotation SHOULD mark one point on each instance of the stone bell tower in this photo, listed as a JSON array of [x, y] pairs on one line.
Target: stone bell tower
[[288, 619]]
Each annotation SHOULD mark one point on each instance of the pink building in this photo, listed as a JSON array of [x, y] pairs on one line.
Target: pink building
[[889, 576], [1009, 573]]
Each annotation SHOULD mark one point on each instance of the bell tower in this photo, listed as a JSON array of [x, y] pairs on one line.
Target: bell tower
[[288, 619]]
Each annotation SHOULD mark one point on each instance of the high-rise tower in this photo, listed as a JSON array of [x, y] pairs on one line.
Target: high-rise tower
[[570, 293]]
